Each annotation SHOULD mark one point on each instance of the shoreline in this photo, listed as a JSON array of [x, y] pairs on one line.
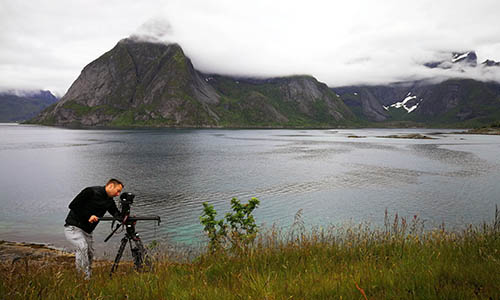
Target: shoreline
[[477, 131], [11, 252]]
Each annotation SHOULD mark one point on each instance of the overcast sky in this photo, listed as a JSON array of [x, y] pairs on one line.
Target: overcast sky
[[46, 43]]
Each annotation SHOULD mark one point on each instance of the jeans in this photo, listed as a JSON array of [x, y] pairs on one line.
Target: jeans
[[84, 244]]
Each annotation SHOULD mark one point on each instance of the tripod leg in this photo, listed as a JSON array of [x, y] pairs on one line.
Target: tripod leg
[[146, 258], [137, 255], [119, 255], [141, 256]]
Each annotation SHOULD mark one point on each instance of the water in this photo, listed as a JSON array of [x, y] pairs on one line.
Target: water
[[333, 178]]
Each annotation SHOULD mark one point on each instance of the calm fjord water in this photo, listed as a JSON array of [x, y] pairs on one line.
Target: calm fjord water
[[333, 178]]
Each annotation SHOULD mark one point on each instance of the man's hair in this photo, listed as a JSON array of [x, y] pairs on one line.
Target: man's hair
[[115, 181]]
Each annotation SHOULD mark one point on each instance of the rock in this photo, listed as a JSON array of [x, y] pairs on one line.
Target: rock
[[408, 136]]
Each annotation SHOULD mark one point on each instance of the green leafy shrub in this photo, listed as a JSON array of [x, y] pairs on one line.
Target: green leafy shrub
[[215, 230], [237, 230]]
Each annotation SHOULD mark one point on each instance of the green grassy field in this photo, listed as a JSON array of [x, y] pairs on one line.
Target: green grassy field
[[399, 261]]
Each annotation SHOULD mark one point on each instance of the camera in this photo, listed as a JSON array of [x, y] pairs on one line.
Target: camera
[[127, 198]]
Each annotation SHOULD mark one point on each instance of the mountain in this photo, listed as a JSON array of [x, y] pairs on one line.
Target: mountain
[[453, 102], [145, 84], [490, 63], [297, 101], [461, 59], [17, 106], [151, 84]]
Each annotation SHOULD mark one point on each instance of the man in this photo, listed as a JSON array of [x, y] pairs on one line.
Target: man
[[85, 210]]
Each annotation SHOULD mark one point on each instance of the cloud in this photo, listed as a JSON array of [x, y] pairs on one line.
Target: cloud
[[338, 42], [155, 30], [45, 44]]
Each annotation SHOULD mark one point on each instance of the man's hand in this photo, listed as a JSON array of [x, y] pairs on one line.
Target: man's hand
[[93, 219]]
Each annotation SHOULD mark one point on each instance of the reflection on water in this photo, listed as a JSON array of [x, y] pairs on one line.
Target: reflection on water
[[332, 177]]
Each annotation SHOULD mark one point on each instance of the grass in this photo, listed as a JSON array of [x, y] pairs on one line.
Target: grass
[[399, 261]]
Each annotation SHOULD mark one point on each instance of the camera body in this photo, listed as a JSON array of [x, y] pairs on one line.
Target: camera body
[[126, 199]]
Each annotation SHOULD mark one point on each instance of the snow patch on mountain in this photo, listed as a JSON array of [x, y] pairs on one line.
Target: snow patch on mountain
[[405, 103], [458, 57]]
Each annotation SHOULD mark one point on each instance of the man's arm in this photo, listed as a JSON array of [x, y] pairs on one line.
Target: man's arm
[[113, 210]]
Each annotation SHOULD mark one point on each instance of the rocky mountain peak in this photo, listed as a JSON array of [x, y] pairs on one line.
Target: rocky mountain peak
[[144, 83], [462, 59], [468, 58], [490, 63]]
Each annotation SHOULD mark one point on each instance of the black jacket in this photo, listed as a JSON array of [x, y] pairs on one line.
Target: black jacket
[[90, 201]]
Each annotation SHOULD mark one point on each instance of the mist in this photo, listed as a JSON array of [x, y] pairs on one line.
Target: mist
[[338, 42]]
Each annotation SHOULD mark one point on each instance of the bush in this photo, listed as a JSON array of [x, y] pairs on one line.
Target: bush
[[236, 231]]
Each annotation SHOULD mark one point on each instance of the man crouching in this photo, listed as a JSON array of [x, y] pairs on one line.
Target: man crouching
[[85, 210]]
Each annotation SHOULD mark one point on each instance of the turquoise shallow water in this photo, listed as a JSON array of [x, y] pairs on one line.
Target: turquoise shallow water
[[333, 178]]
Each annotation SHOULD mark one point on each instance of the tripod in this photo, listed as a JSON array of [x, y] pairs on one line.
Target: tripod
[[139, 253]]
